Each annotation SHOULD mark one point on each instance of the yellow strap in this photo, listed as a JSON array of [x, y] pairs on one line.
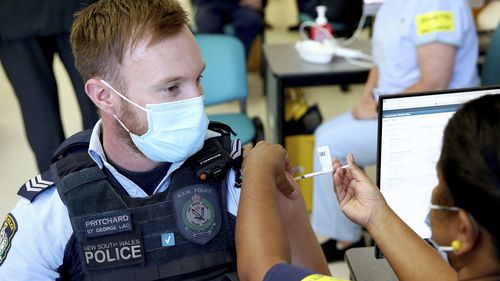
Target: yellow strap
[[440, 21], [319, 277]]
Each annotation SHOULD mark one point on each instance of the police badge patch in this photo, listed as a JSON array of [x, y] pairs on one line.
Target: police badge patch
[[197, 213], [9, 228]]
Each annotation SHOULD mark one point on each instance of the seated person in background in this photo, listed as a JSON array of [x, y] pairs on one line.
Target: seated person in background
[[245, 16], [418, 45], [460, 213], [461, 207], [273, 231], [124, 201]]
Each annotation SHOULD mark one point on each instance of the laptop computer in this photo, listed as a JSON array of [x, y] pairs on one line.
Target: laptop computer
[[410, 132]]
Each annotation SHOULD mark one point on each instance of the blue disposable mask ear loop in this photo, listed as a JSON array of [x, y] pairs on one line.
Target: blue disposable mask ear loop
[[126, 99], [122, 96]]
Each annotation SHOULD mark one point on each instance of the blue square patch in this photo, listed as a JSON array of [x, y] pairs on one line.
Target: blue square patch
[[168, 239]]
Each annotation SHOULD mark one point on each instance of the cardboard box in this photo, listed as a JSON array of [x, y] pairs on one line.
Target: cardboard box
[[300, 151]]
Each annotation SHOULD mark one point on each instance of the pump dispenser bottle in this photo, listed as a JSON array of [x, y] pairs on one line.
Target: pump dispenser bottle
[[322, 21]]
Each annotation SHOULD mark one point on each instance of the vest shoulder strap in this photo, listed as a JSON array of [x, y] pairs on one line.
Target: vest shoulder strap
[[36, 185], [232, 147], [77, 142], [221, 128]]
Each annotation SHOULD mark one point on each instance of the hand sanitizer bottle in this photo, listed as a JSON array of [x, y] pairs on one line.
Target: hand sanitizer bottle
[[322, 21]]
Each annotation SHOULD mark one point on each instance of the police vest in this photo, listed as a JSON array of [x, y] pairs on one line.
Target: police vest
[[184, 233]]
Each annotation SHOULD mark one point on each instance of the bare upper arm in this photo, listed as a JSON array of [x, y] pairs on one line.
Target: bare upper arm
[[436, 62]]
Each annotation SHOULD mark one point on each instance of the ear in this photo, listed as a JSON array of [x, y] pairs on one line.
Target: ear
[[101, 95], [468, 233]]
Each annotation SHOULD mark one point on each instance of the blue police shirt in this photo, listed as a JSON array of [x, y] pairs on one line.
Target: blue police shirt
[[34, 235]]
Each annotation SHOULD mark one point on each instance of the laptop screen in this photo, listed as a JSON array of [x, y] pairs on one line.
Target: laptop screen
[[410, 136]]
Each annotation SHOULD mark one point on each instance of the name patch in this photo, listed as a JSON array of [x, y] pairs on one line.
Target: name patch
[[107, 224], [9, 228], [114, 251], [440, 21]]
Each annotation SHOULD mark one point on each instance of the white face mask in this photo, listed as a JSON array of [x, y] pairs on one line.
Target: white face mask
[[176, 130], [442, 250]]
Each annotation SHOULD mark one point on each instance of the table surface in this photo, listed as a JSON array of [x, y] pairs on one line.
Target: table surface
[[365, 267], [283, 60]]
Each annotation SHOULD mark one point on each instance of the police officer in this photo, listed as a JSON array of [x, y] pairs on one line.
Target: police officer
[[418, 45], [149, 193]]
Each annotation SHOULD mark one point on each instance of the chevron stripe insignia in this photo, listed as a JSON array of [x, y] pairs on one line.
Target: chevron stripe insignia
[[36, 185], [237, 155], [236, 148]]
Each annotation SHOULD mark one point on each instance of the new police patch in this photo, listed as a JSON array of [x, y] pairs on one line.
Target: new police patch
[[197, 213], [9, 228]]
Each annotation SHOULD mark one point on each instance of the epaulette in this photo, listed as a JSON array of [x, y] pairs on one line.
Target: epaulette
[[35, 186], [237, 155]]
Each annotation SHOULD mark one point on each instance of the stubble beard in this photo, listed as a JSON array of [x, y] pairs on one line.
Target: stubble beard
[[129, 119]]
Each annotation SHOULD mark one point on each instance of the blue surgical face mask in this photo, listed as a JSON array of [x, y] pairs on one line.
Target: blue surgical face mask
[[176, 130]]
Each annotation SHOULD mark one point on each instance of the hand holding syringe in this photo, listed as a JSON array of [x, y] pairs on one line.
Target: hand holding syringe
[[325, 161]]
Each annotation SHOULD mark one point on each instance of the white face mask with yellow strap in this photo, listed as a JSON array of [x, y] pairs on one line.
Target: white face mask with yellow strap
[[455, 244], [176, 130]]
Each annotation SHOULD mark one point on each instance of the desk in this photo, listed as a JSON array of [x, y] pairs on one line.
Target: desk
[[365, 267], [284, 68]]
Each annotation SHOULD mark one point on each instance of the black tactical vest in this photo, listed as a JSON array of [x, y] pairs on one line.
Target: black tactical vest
[[184, 233]]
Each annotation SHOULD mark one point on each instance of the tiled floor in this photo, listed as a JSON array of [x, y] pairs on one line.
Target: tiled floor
[[17, 162]]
